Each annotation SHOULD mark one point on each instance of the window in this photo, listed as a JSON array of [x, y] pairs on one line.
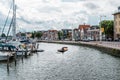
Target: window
[[119, 29], [115, 16], [115, 23]]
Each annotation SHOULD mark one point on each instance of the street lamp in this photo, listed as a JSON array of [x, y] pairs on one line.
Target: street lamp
[[72, 33], [100, 28]]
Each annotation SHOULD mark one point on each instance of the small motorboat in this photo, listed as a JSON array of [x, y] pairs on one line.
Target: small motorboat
[[63, 49]]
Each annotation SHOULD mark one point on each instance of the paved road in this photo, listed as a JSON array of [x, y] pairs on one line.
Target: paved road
[[115, 45]]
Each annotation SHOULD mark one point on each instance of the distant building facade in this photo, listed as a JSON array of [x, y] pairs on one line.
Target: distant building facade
[[117, 24], [53, 35], [83, 31], [67, 34], [44, 35], [76, 34], [49, 35], [93, 33]]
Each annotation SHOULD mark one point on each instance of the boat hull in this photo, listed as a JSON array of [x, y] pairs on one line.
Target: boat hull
[[3, 58], [61, 51], [22, 53]]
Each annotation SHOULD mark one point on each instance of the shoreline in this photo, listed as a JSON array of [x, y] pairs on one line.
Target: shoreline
[[112, 50]]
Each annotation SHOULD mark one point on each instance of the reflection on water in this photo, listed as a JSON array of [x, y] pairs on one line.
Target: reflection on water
[[78, 63]]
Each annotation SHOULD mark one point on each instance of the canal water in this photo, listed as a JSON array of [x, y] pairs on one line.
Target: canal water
[[78, 63]]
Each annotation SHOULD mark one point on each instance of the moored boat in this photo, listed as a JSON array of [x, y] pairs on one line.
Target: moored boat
[[5, 55], [17, 47], [63, 49]]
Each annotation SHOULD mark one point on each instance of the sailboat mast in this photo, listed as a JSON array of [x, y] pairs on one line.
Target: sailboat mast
[[14, 20]]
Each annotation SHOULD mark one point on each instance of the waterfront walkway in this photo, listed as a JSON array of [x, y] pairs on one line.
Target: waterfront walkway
[[113, 45]]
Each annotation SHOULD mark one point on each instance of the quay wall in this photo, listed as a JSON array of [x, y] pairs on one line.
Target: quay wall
[[109, 50]]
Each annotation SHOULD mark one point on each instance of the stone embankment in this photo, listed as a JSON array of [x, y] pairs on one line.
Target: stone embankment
[[112, 48]]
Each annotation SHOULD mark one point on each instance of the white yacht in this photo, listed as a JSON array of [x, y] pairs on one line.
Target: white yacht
[[5, 55]]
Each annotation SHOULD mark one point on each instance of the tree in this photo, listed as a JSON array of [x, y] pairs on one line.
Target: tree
[[60, 35], [108, 28], [38, 34], [33, 35], [3, 35]]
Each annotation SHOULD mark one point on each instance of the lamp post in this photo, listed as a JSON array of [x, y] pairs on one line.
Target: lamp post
[[72, 33], [100, 29]]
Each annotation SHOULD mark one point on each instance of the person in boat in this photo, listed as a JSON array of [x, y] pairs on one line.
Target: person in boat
[[64, 48]]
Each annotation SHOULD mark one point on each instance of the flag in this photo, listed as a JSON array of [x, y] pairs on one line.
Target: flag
[[102, 29]]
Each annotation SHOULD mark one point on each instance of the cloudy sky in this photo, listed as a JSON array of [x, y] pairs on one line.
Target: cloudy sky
[[57, 14]]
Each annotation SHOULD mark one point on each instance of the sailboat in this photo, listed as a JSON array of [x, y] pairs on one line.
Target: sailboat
[[15, 45], [6, 45]]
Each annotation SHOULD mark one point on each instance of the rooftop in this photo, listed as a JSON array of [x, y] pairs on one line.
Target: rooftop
[[116, 13], [83, 26]]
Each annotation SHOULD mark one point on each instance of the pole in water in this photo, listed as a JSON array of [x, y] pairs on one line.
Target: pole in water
[[26, 51], [15, 57], [37, 46], [8, 64], [25, 54], [32, 48], [22, 57]]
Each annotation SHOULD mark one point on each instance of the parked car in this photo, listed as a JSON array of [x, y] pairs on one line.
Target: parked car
[[117, 39], [90, 39], [86, 40], [109, 39]]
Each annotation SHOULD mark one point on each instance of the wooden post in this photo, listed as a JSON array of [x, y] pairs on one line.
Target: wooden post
[[15, 55], [22, 57], [32, 48], [37, 46], [8, 64], [25, 50], [3, 48]]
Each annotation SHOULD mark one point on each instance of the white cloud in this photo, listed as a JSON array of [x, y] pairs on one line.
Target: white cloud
[[58, 14]]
